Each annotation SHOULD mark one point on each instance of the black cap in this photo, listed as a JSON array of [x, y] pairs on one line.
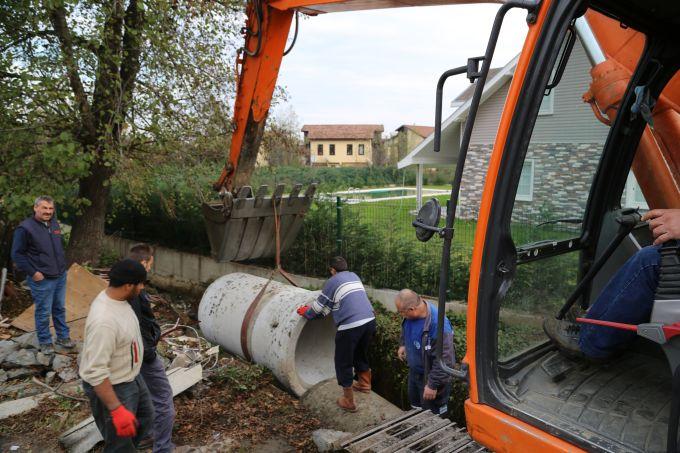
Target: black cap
[[127, 271]]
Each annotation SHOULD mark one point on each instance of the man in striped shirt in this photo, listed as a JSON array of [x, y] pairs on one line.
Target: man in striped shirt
[[345, 298]]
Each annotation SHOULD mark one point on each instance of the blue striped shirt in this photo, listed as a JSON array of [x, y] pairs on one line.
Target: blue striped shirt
[[345, 298]]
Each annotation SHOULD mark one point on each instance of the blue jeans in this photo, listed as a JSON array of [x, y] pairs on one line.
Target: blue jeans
[[627, 298], [49, 296], [161, 395]]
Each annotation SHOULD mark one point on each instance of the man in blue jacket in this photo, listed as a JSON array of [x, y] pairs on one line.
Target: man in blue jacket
[[429, 386], [344, 296], [37, 251]]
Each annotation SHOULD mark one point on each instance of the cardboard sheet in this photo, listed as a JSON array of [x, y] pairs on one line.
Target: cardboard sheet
[[81, 289]]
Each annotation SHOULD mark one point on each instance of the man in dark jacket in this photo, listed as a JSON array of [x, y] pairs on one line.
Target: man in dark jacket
[[153, 369], [429, 386], [37, 251]]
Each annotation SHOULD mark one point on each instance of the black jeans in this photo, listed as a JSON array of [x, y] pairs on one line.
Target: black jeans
[[135, 397], [416, 386], [351, 351]]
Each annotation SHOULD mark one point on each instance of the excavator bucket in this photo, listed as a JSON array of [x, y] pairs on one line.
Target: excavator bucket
[[244, 227]]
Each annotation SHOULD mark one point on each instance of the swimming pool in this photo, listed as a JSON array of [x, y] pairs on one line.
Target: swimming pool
[[384, 193]]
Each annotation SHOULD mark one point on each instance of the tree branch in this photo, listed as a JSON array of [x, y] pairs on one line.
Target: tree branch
[[132, 49], [58, 19]]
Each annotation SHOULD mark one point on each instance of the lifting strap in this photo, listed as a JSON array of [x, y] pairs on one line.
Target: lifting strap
[[248, 317]]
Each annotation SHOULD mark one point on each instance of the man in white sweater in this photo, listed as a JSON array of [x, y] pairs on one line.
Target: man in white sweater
[[111, 360]]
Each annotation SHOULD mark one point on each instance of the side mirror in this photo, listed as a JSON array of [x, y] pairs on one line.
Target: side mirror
[[427, 220]]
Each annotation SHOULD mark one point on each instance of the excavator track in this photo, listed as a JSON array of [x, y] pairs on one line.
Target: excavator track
[[414, 431]]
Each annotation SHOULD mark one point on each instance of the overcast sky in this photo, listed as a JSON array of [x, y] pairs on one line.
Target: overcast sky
[[382, 66]]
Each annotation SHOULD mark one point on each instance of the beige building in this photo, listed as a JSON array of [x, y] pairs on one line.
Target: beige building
[[337, 145], [404, 140]]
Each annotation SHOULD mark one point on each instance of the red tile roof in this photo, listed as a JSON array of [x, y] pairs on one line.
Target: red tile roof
[[423, 131], [341, 131]]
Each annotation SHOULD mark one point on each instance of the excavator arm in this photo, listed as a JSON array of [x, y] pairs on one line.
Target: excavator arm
[[257, 68]]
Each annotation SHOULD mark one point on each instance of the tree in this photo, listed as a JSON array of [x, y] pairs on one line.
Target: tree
[[98, 89], [281, 142]]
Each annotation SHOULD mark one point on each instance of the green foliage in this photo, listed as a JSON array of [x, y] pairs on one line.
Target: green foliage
[[108, 256], [241, 377], [116, 94], [329, 178]]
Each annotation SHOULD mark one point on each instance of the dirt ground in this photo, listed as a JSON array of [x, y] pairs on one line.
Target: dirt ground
[[238, 402]]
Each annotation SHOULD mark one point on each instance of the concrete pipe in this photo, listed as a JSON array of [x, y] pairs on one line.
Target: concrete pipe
[[268, 330]]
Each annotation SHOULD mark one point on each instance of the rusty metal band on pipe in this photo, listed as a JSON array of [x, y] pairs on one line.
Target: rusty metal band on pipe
[[247, 319]]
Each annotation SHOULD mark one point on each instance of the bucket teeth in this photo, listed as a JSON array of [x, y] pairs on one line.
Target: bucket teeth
[[247, 230]]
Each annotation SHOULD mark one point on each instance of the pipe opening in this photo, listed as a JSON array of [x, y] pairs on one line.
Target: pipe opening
[[314, 352]]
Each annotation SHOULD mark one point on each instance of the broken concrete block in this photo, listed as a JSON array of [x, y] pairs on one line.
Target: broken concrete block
[[61, 362], [328, 439], [7, 347], [49, 377], [28, 340], [68, 375], [17, 373], [3, 376], [21, 358], [44, 359]]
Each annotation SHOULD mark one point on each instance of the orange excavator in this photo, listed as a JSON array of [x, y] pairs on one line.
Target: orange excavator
[[532, 399]]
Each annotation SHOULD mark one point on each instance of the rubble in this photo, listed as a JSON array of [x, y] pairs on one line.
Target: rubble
[[20, 358], [328, 439], [28, 340]]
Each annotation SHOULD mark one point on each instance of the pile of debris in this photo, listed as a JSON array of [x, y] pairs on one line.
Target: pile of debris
[[25, 371]]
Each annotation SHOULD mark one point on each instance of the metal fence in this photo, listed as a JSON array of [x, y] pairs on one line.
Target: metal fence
[[379, 243]]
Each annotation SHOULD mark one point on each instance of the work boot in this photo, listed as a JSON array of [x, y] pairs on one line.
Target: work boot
[[47, 348], [65, 343], [346, 401], [363, 383], [564, 335]]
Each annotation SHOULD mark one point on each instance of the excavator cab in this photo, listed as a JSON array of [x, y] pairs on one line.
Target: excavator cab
[[557, 220]]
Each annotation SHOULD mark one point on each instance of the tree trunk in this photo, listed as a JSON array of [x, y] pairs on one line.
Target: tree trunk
[[87, 235]]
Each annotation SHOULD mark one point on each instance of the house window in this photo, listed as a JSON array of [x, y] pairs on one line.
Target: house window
[[331, 149], [547, 104], [361, 149], [525, 191], [319, 149], [349, 150]]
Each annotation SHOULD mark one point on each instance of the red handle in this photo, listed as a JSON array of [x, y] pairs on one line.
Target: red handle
[[616, 325]]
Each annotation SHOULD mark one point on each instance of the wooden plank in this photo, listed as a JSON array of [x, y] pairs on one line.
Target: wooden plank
[[85, 435], [81, 289]]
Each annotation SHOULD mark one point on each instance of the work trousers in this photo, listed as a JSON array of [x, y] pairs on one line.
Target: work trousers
[[164, 409], [49, 296], [627, 298], [351, 352], [416, 386], [135, 397]]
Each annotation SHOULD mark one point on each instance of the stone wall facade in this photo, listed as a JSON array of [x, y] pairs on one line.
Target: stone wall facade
[[562, 177]]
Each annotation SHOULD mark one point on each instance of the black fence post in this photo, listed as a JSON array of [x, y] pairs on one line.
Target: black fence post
[[338, 226]]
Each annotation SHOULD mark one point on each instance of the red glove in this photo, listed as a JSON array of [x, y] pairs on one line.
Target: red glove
[[302, 310], [124, 421]]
